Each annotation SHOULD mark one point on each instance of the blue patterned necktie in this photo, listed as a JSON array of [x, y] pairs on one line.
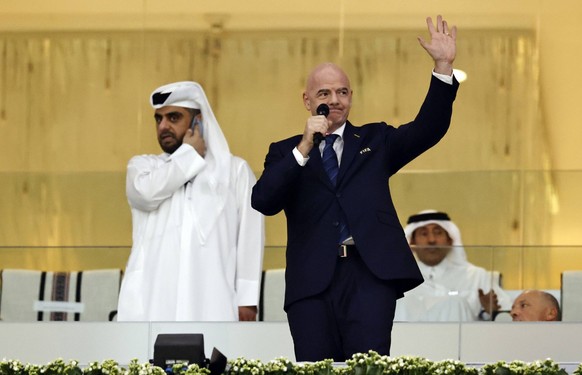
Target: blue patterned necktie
[[329, 158], [330, 164]]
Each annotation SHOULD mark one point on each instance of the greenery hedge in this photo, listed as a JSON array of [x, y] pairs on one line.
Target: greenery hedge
[[370, 363]]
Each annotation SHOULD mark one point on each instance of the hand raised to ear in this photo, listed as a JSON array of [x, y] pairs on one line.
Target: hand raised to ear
[[194, 139]]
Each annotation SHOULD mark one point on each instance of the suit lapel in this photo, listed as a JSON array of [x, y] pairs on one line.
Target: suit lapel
[[352, 142], [316, 164]]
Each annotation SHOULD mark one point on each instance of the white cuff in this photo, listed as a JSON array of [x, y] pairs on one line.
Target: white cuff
[[299, 157], [444, 77]]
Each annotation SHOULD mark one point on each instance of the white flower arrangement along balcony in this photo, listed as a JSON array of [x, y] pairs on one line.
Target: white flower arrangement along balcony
[[370, 363]]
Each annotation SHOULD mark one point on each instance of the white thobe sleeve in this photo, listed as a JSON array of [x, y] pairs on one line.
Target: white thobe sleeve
[[151, 179], [250, 241]]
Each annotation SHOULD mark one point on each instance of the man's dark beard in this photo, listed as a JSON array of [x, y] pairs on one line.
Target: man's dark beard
[[170, 149]]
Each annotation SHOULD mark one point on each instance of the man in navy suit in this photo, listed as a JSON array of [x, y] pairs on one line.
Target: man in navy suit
[[348, 260]]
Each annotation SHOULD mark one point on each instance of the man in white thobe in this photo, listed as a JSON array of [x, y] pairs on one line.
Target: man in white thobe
[[197, 243], [453, 289]]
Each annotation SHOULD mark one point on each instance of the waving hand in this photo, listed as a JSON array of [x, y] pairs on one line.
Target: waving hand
[[442, 46]]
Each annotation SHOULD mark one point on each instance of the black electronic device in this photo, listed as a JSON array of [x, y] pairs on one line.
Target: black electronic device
[[186, 348], [217, 363], [197, 122]]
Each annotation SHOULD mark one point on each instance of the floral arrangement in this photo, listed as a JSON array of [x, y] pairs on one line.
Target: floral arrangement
[[374, 364], [547, 367], [370, 363]]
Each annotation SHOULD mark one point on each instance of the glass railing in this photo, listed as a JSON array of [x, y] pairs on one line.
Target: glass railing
[[523, 225], [515, 268], [490, 207], [64, 258]]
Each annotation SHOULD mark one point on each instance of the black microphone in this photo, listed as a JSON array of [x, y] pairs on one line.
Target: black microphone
[[322, 109]]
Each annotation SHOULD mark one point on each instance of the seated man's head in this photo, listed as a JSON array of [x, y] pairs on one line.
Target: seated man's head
[[431, 243], [432, 236], [535, 306]]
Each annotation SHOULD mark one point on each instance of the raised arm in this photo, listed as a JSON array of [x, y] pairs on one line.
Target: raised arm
[[151, 180]]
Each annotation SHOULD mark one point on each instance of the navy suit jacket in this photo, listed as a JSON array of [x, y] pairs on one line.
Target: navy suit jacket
[[372, 153]]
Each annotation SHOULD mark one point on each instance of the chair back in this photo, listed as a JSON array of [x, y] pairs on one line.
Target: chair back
[[571, 296], [31, 295], [272, 296]]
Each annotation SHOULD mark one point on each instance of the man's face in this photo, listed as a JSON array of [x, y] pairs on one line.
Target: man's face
[[431, 243], [172, 124], [530, 306], [331, 86]]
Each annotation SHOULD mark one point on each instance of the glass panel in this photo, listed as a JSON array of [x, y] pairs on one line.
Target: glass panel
[[64, 259], [518, 267]]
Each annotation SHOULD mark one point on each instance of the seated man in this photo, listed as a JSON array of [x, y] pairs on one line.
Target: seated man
[[453, 288], [535, 306]]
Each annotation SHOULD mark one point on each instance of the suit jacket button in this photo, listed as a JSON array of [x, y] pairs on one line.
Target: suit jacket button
[[336, 223], [338, 195]]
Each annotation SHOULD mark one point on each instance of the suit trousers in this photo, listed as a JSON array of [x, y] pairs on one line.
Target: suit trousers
[[353, 315]]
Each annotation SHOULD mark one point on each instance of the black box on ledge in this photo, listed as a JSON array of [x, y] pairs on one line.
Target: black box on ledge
[[187, 348]]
